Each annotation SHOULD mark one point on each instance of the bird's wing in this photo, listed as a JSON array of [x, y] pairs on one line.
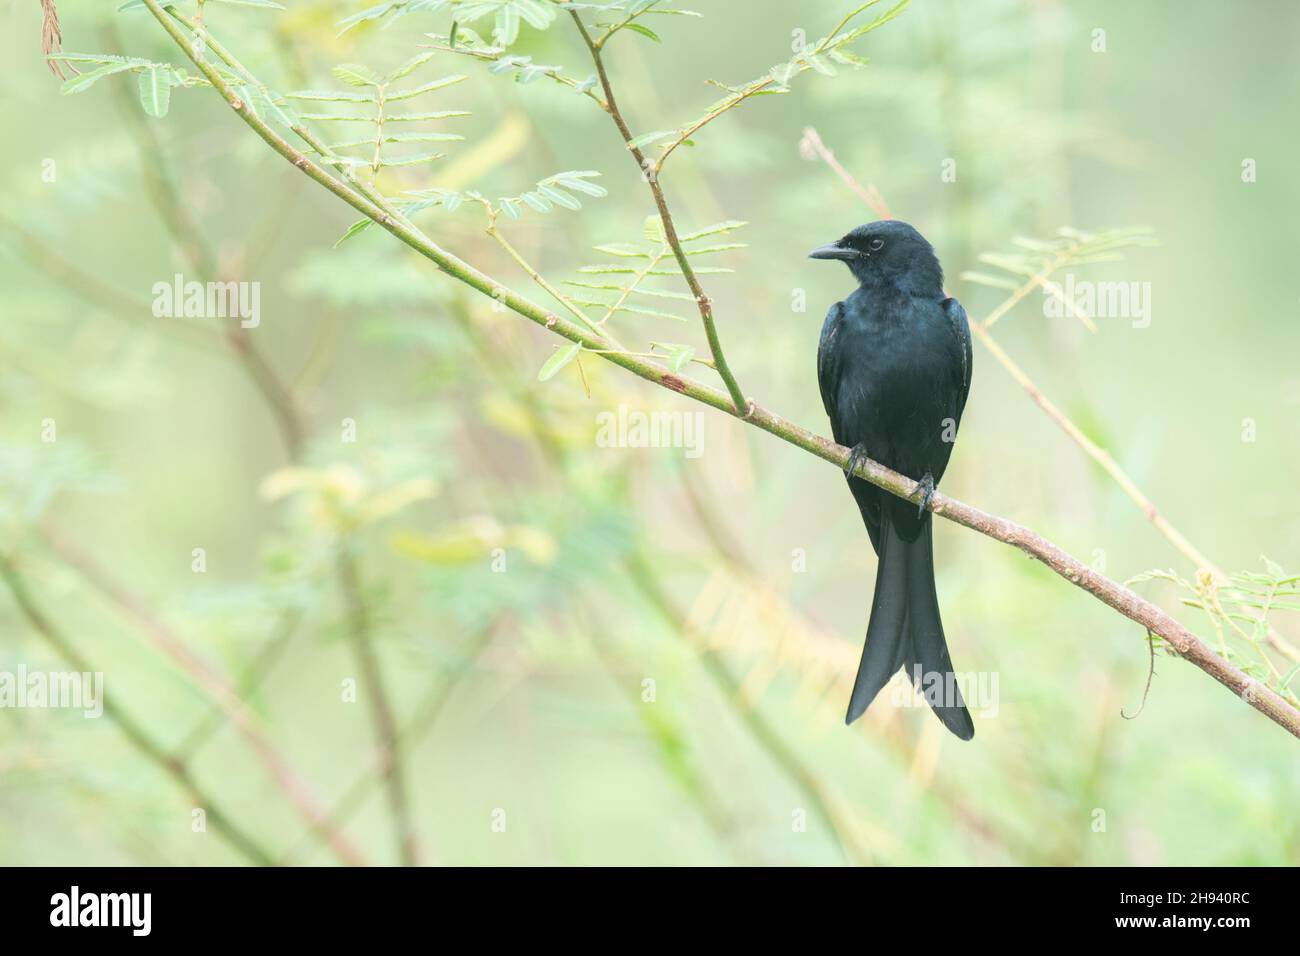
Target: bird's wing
[[961, 328], [828, 364]]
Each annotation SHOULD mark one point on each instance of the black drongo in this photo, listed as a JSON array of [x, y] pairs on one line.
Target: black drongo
[[894, 366]]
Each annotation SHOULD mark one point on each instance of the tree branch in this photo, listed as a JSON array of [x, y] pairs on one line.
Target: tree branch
[[175, 767], [650, 174], [1111, 593], [213, 684], [390, 762]]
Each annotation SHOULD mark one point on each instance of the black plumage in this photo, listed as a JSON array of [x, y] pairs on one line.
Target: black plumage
[[894, 365]]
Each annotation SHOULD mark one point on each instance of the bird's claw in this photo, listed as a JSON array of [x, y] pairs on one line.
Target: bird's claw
[[925, 488], [857, 456]]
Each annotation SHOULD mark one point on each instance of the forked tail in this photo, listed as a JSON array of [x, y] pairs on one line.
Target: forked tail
[[905, 631]]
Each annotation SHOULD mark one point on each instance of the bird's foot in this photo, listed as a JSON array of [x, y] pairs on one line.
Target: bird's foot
[[925, 488], [856, 457]]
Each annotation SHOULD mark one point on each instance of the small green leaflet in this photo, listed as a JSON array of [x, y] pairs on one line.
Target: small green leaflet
[[644, 31], [84, 81], [679, 356], [557, 361], [645, 139], [155, 81], [156, 91], [353, 74], [426, 88], [550, 192]]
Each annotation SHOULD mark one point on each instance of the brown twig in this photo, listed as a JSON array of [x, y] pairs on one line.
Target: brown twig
[[392, 767], [175, 767], [824, 803], [425, 716], [161, 638], [812, 147], [702, 300]]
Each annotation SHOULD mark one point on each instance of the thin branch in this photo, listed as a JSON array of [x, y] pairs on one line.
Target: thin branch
[[175, 767], [249, 682], [702, 300], [1076, 572], [301, 130], [390, 751], [416, 729], [869, 194], [117, 304], [550, 290], [824, 803], [209, 680]]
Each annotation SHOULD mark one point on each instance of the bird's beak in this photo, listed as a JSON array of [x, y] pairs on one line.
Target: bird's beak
[[833, 251]]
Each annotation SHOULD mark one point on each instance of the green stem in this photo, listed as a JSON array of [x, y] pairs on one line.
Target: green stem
[[702, 300]]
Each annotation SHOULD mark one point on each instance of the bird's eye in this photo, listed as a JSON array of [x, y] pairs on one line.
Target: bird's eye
[[875, 245]]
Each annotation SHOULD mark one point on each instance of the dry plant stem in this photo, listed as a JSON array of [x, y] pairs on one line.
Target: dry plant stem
[[214, 685], [670, 229], [175, 767], [824, 803], [872, 197], [868, 194], [381, 713], [415, 730], [1076, 572]]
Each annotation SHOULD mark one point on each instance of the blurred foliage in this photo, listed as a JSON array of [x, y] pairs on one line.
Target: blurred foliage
[[638, 656]]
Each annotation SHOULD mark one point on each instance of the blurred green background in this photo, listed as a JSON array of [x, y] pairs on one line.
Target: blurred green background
[[654, 676]]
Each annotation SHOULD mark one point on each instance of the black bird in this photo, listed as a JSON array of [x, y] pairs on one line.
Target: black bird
[[894, 365]]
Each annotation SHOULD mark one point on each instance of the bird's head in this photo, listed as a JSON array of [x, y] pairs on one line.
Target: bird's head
[[888, 251]]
